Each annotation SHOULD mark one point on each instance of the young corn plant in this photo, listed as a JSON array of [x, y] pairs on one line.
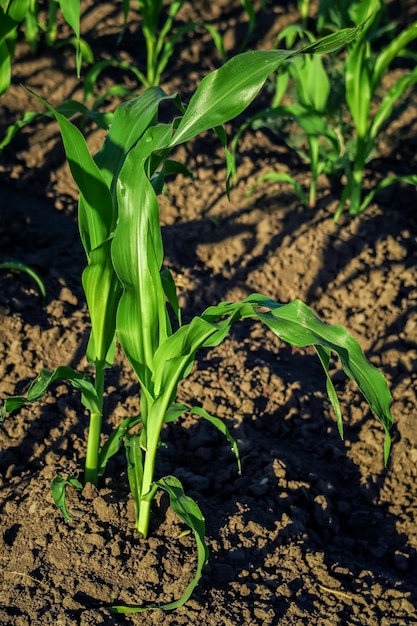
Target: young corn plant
[[370, 113], [128, 289], [305, 124], [25, 14], [161, 34]]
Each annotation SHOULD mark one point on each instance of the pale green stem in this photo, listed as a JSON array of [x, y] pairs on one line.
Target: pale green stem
[[148, 476], [94, 431], [150, 51], [357, 176], [314, 161], [153, 432]]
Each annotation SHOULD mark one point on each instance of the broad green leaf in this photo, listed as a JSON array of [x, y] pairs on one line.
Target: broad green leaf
[[99, 217], [296, 324], [40, 386], [103, 291], [189, 512], [5, 69], [130, 121], [223, 94], [17, 9], [313, 84], [58, 493], [226, 92], [137, 255], [390, 52], [358, 86]]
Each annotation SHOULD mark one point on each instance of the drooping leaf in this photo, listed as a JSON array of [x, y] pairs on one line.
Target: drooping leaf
[[189, 512], [14, 265], [296, 324], [58, 493], [221, 426], [41, 384]]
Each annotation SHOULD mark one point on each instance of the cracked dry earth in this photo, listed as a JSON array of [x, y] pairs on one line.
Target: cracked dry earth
[[315, 531]]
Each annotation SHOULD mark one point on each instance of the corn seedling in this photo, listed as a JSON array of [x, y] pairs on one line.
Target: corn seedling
[[365, 71], [304, 8], [161, 34], [25, 13], [305, 125], [128, 290]]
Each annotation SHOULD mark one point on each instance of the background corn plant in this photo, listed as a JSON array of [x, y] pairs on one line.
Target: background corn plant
[[162, 30], [25, 15], [307, 124], [337, 107], [128, 290], [369, 105]]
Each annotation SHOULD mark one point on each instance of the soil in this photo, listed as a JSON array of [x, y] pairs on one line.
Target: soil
[[315, 530]]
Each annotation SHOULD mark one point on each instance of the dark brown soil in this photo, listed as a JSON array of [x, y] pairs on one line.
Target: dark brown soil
[[315, 530]]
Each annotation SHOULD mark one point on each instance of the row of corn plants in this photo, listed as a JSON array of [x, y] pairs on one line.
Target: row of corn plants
[[131, 295], [336, 109]]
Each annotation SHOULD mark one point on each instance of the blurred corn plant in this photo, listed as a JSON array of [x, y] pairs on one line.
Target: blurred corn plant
[[338, 108], [22, 267], [304, 8], [162, 30], [26, 15], [371, 107], [310, 124], [129, 292]]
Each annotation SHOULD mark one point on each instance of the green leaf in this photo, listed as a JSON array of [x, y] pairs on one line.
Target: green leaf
[[101, 285], [358, 86], [221, 426], [170, 291], [386, 182], [67, 108], [17, 10], [71, 12], [13, 265], [189, 512], [89, 179], [137, 255], [283, 177], [5, 69], [390, 52], [58, 493], [388, 102], [226, 92], [41, 384], [296, 324], [134, 457], [114, 441]]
